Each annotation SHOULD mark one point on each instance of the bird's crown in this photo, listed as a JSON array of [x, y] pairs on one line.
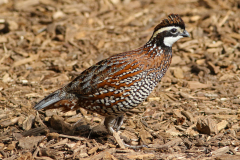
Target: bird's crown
[[172, 20]]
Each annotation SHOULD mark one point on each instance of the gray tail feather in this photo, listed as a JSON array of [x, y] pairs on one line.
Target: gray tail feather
[[49, 100]]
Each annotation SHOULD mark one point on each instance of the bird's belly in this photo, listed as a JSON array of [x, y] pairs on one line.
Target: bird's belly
[[116, 102]]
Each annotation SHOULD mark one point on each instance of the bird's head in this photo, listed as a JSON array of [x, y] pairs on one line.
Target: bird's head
[[169, 31]]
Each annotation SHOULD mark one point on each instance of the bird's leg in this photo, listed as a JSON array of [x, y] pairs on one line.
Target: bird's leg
[[109, 124], [118, 123]]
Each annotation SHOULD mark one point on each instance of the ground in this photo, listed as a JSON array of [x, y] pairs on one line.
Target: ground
[[194, 112]]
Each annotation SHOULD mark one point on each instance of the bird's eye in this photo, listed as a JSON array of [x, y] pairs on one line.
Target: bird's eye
[[174, 30]]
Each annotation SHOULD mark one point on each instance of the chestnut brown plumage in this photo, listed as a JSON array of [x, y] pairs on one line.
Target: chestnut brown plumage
[[123, 81]]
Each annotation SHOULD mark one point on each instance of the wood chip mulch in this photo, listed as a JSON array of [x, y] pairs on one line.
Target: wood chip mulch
[[194, 113]]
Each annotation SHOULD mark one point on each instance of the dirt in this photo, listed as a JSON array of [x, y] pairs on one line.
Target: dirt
[[194, 112]]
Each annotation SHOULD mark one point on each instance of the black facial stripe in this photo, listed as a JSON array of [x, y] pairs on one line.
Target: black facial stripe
[[170, 34], [160, 37]]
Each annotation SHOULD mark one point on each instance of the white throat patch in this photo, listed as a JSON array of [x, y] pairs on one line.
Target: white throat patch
[[168, 41]]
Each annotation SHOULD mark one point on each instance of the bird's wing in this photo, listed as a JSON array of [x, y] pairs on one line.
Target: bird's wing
[[105, 74]]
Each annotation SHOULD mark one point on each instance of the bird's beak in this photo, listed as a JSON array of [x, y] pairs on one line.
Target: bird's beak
[[185, 34]]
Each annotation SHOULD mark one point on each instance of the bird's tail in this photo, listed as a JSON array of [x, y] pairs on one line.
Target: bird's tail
[[57, 99]]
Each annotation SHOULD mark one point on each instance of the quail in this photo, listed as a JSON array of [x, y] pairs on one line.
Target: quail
[[121, 82]]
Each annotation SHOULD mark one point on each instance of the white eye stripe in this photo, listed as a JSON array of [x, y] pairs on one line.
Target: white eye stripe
[[164, 29]]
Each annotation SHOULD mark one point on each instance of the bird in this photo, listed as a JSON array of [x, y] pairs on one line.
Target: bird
[[123, 81]]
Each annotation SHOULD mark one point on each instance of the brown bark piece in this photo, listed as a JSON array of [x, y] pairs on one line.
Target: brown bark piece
[[118, 139], [30, 142], [220, 151], [197, 85], [207, 125], [141, 156], [167, 145], [145, 136], [101, 154]]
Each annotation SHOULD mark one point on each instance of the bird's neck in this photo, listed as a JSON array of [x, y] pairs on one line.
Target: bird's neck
[[156, 49], [158, 57]]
